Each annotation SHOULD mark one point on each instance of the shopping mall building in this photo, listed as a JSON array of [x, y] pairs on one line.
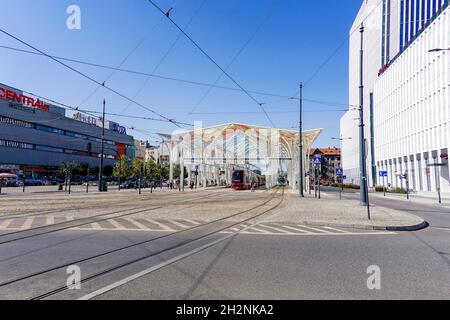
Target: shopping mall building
[[406, 94], [37, 136]]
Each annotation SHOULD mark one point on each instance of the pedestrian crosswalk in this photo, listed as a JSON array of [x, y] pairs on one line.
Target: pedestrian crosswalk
[[174, 225]]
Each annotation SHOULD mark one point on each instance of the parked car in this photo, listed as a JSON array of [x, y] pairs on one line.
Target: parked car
[[128, 184], [15, 182]]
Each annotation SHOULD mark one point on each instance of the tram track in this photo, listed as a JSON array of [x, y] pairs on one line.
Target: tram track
[[33, 213], [182, 243], [29, 233]]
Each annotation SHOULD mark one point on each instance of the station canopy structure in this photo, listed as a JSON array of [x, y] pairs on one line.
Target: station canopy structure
[[211, 154]]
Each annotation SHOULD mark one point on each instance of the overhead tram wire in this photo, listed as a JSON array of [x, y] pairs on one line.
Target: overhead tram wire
[[96, 113], [336, 51], [166, 54], [202, 84], [139, 44], [249, 40], [89, 78], [261, 105]]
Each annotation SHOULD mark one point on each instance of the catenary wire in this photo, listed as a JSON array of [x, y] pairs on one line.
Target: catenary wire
[[261, 105], [89, 78]]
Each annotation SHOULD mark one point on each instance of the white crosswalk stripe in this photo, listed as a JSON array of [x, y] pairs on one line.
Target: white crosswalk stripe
[[27, 223], [161, 225], [136, 223], [173, 225], [50, 220], [5, 224], [178, 224]]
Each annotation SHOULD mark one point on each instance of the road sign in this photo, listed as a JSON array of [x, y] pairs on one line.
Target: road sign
[[344, 177], [317, 160], [339, 172], [383, 173]]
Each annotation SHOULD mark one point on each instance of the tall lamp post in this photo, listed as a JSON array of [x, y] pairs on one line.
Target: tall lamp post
[[342, 177], [102, 155], [302, 194]]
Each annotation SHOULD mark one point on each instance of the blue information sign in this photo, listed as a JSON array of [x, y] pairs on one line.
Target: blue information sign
[[317, 160], [339, 172], [383, 173]]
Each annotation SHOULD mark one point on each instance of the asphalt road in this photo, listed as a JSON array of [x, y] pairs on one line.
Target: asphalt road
[[211, 262]]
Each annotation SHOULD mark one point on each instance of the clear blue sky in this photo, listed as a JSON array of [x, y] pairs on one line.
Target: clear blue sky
[[294, 39]]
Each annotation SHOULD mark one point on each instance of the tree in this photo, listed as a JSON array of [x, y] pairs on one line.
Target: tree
[[152, 170], [68, 167], [177, 172], [165, 171], [122, 168], [137, 168]]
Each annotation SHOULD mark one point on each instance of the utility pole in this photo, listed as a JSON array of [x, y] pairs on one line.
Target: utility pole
[[302, 194], [362, 146], [102, 154], [87, 180]]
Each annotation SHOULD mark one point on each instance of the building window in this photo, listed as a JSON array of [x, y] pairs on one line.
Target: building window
[[402, 23], [15, 144], [407, 12], [49, 129], [49, 149], [76, 135], [417, 16]]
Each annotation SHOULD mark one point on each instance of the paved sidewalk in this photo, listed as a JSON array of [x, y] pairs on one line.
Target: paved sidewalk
[[423, 198], [330, 211]]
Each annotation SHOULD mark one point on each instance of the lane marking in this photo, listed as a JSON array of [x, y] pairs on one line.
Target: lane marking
[[96, 226], [155, 268], [162, 226], [315, 229], [136, 223], [5, 224], [179, 224], [27, 224], [50, 220], [298, 230], [192, 221], [275, 228], [116, 224], [338, 230], [257, 230]]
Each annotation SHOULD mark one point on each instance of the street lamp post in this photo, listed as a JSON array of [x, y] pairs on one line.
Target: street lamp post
[[102, 155], [342, 176], [302, 194]]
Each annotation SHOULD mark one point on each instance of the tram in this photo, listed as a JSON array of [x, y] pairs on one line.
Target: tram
[[243, 179]]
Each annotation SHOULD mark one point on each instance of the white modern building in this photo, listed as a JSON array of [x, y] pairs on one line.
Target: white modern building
[[406, 105]]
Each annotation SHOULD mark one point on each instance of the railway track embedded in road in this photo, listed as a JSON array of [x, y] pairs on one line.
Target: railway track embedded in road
[[241, 223], [30, 233]]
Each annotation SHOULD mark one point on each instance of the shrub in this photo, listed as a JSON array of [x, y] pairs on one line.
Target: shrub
[[398, 190]]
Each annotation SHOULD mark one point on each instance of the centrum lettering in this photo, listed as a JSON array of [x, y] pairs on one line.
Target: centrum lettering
[[23, 99]]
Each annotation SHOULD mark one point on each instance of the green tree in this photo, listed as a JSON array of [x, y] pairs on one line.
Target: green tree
[[122, 168], [177, 172], [152, 170], [165, 172], [68, 167], [137, 168]]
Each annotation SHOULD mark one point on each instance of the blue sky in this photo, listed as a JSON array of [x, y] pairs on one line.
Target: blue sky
[[295, 37]]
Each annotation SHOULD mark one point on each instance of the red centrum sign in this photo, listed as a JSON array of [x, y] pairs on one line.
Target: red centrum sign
[[23, 99]]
